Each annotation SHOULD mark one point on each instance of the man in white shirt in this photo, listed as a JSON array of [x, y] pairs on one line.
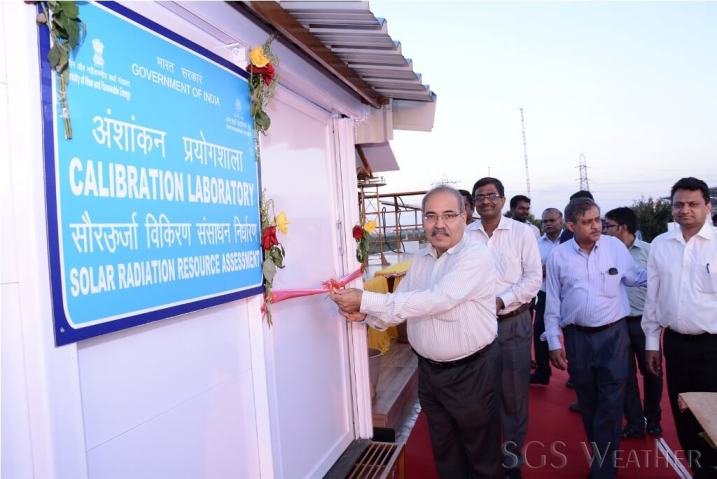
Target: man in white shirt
[[519, 275], [553, 226], [682, 300], [520, 211], [448, 301]]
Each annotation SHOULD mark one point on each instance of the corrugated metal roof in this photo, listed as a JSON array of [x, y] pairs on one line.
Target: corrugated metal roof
[[361, 40]]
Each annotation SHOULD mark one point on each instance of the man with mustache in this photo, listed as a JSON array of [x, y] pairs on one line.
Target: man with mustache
[[519, 276], [448, 301], [682, 301]]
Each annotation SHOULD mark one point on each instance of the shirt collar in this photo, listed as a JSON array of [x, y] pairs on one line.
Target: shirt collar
[[504, 224], [576, 246], [544, 237], [707, 232]]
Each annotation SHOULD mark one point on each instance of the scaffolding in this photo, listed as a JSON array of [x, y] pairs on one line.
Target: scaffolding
[[397, 216]]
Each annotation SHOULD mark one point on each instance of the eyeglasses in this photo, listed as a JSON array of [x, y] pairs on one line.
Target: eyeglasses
[[607, 226], [431, 218], [691, 205], [493, 197]]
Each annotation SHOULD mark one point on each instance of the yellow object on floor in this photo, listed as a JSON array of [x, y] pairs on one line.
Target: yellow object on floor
[[380, 340], [398, 269]]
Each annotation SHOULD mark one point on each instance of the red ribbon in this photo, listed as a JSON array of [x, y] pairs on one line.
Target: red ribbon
[[279, 295]]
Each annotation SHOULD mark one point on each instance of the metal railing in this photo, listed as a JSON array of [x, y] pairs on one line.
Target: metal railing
[[397, 216]]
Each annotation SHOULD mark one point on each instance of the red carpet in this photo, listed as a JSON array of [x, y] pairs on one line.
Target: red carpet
[[555, 446]]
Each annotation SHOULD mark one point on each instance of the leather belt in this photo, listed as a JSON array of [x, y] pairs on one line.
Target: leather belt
[[595, 329], [515, 312], [457, 362]]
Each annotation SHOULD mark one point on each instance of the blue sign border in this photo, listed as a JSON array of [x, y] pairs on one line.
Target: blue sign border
[[64, 332]]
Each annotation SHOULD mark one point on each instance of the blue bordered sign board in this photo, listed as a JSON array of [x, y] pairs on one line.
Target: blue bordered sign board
[[153, 205]]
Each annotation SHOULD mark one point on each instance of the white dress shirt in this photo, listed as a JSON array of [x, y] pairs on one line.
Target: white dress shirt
[[517, 261], [682, 285], [448, 302], [534, 229], [545, 246], [588, 289]]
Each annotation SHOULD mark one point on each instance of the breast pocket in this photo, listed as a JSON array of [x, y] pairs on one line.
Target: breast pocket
[[610, 284], [705, 275]]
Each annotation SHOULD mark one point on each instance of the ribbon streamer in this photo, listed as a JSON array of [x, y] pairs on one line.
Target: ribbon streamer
[[279, 295]]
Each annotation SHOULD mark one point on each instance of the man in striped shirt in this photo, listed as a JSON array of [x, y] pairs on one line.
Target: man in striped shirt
[[448, 301], [586, 296]]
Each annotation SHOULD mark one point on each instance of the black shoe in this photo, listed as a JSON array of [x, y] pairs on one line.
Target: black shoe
[[569, 384], [633, 433], [513, 473], [538, 379], [654, 430], [574, 407]]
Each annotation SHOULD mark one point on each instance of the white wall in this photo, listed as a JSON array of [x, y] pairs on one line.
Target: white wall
[[184, 397]]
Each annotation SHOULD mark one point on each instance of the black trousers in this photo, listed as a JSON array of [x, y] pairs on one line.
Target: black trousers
[[691, 366], [542, 354], [462, 405], [599, 365], [635, 413]]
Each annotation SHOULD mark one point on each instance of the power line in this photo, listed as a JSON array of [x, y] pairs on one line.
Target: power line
[[525, 152]]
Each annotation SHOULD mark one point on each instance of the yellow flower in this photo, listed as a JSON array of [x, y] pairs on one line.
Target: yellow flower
[[258, 58], [370, 226], [282, 222]]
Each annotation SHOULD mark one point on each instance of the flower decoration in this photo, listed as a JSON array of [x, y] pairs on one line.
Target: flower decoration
[[66, 33], [262, 83], [274, 252], [362, 235]]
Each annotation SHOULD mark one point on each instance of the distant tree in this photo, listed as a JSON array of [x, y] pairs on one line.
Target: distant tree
[[652, 216], [531, 219]]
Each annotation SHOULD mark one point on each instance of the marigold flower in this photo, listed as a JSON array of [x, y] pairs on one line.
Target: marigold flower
[[370, 226], [257, 57], [282, 222]]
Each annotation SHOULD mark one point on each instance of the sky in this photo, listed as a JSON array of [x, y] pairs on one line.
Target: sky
[[631, 86]]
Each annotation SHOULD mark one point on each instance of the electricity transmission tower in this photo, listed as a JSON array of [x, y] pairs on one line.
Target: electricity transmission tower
[[525, 153], [583, 169]]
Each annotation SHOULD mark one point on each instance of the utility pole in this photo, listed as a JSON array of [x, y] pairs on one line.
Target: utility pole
[[583, 169], [525, 153]]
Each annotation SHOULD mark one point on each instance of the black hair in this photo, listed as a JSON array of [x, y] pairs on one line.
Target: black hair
[[692, 184], [582, 194], [578, 207], [518, 199], [623, 216], [489, 181], [468, 196]]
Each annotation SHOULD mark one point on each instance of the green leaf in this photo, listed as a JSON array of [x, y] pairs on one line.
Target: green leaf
[[58, 26], [73, 33], [269, 270], [54, 55], [262, 122], [70, 9]]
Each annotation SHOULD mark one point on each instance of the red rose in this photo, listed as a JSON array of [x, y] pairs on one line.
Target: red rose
[[266, 73], [268, 238], [358, 232]]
